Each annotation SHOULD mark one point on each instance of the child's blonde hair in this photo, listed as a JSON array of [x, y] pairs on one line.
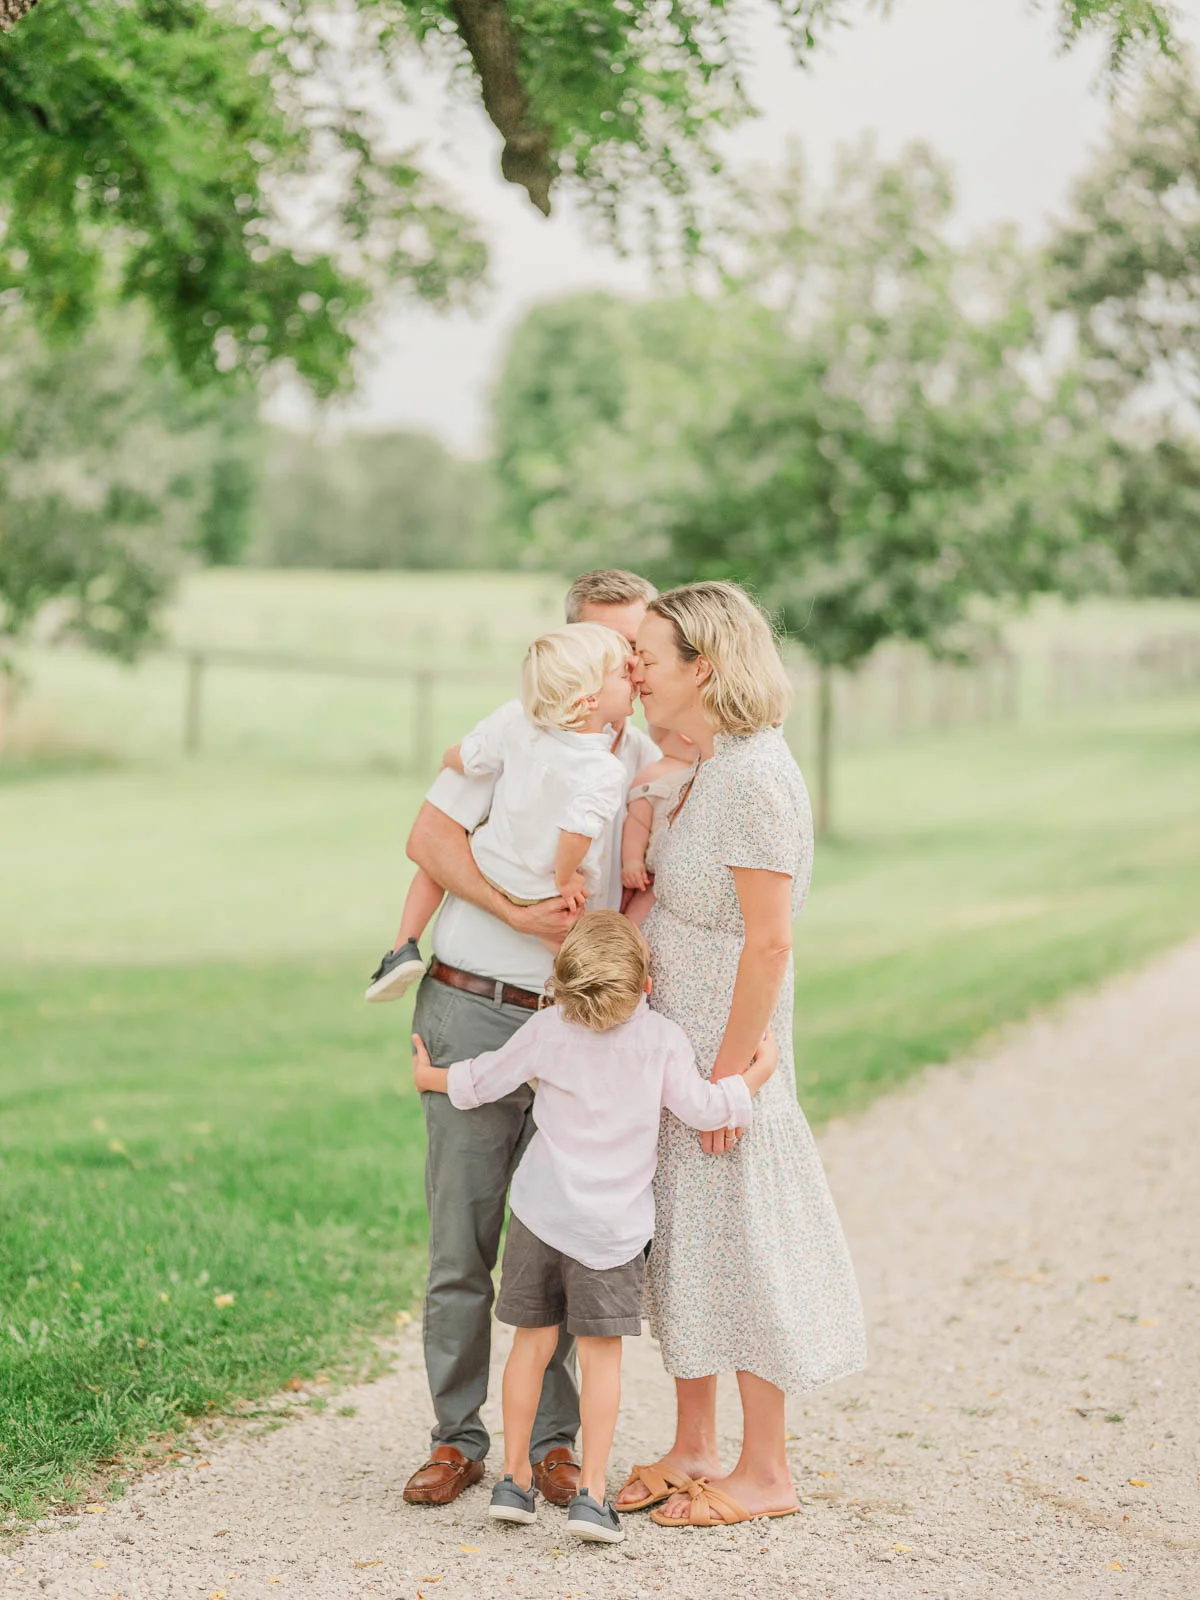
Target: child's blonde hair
[[564, 666], [600, 971]]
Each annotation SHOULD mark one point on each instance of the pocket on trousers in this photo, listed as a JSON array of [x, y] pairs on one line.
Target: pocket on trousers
[[433, 1018]]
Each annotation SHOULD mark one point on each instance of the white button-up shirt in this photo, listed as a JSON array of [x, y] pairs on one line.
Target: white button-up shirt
[[548, 781], [584, 1184], [466, 937]]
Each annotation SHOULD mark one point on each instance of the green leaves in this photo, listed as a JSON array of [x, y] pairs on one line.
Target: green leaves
[[109, 467], [853, 429], [161, 151]]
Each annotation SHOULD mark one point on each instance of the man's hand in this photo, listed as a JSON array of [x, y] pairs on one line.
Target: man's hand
[[426, 1077], [547, 920]]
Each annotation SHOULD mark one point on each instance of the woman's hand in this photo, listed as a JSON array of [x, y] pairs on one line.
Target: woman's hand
[[762, 1064], [634, 874], [426, 1077]]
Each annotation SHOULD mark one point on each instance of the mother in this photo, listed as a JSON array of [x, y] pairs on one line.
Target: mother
[[749, 1271]]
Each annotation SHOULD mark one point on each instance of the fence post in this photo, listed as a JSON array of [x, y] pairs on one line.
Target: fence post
[[193, 706], [422, 721], [8, 706], [1010, 689]]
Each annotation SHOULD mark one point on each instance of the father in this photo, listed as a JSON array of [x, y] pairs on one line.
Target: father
[[487, 976]]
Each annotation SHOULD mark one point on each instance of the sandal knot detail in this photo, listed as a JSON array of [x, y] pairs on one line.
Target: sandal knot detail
[[711, 1508]]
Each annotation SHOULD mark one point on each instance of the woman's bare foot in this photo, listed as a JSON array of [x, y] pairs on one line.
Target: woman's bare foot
[[757, 1495], [637, 1490]]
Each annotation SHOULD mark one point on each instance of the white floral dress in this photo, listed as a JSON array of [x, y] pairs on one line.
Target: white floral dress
[[749, 1270]]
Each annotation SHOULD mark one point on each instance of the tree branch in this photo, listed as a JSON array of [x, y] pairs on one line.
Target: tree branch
[[489, 35], [11, 12]]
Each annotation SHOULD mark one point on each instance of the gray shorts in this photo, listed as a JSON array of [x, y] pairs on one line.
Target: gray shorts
[[542, 1288]]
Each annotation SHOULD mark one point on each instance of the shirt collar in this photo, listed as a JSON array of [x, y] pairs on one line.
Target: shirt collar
[[584, 741]]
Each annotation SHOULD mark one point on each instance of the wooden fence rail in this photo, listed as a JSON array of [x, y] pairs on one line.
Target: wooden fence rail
[[422, 680], [896, 694]]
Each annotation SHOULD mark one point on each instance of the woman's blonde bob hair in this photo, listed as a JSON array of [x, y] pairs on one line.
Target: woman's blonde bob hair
[[748, 689], [600, 971], [566, 665]]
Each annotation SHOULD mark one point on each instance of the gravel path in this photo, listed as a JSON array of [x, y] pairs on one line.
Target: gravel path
[[1025, 1229]]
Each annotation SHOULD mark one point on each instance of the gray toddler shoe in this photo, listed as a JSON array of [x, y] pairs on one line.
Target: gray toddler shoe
[[511, 1503], [396, 973], [588, 1519]]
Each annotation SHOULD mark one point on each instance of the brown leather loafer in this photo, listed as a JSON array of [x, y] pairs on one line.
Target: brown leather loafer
[[443, 1478], [556, 1477]]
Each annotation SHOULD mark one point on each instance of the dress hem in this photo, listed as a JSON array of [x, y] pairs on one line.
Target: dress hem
[[733, 1364]]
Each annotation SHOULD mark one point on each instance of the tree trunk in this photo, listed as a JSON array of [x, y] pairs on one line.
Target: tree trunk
[[824, 749], [488, 33], [11, 12]]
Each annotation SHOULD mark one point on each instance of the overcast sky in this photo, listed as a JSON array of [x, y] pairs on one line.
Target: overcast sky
[[982, 81]]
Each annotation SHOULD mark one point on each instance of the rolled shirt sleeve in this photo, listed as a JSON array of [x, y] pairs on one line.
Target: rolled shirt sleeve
[[701, 1104], [593, 805], [482, 750]]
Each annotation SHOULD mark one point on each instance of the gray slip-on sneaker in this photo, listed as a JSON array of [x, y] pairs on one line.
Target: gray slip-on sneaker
[[511, 1503], [396, 973], [588, 1519]]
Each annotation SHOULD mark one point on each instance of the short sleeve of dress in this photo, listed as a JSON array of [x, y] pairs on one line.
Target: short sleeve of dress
[[759, 826], [597, 798]]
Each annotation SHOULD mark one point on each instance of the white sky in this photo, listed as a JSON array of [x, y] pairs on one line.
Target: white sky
[[982, 81]]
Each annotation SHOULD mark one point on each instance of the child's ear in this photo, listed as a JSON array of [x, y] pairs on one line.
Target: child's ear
[[649, 983]]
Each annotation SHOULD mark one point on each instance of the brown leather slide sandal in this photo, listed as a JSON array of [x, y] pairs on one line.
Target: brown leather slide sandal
[[661, 1480], [712, 1509]]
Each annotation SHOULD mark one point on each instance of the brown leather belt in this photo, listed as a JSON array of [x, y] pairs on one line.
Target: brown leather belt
[[504, 994]]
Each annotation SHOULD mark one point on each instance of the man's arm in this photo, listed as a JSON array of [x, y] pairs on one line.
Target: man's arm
[[441, 847]]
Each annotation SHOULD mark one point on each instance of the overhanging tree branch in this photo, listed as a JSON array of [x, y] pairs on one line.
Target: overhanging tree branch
[[11, 12], [488, 33]]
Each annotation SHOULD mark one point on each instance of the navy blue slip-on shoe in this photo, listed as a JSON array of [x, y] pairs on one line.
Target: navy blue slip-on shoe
[[588, 1519], [511, 1503], [396, 973]]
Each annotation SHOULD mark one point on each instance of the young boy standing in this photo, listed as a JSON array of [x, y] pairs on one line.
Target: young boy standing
[[582, 1202]]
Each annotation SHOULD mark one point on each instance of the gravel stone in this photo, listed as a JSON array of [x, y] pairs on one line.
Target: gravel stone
[[1024, 1228]]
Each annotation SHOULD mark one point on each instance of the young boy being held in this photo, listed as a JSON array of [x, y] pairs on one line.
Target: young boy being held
[[582, 1199], [558, 786]]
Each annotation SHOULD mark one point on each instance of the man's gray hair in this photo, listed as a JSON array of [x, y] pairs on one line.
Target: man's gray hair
[[611, 586]]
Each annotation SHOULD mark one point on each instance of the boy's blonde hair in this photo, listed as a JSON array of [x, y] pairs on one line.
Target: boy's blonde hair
[[748, 688], [600, 971], [563, 666]]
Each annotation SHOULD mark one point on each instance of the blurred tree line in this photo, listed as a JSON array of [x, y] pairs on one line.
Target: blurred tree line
[[370, 500], [868, 424]]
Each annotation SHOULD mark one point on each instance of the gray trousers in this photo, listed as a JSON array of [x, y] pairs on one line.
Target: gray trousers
[[469, 1162]]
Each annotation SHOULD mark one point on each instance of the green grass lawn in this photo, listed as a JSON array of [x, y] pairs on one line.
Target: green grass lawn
[[195, 1103]]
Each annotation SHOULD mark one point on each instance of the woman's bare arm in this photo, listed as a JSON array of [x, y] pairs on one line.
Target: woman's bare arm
[[766, 902]]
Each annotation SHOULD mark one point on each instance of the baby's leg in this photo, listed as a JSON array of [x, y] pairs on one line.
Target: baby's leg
[[599, 1402], [420, 903], [531, 1351]]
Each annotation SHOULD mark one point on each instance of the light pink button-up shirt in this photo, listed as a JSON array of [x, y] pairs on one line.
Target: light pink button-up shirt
[[584, 1183]]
